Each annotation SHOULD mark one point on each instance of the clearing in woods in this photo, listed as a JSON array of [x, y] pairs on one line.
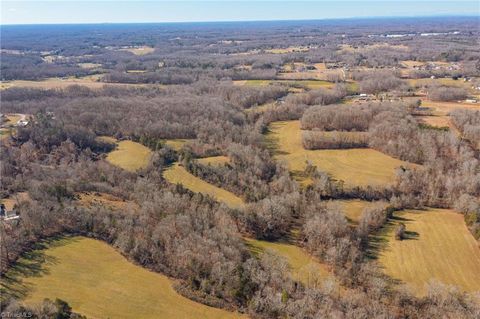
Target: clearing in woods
[[130, 156], [352, 208], [95, 199], [438, 247], [444, 108], [109, 287], [356, 167], [304, 267], [177, 174], [311, 84], [177, 143], [214, 160], [143, 50]]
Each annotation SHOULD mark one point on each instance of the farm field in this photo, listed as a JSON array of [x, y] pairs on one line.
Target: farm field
[[439, 246], [443, 108], [92, 82], [177, 143], [311, 84], [110, 287], [177, 174], [103, 199], [287, 50], [304, 267], [356, 167], [353, 208], [130, 156], [143, 50], [214, 160], [436, 121]]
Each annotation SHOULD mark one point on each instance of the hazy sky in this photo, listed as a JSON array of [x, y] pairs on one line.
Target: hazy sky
[[87, 11]]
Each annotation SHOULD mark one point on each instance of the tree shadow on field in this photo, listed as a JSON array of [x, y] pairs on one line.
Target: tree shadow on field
[[379, 241], [272, 143], [34, 263]]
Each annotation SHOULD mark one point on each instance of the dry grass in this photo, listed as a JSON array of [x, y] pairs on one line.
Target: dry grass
[[304, 267], [100, 283], [107, 200], [176, 174], [444, 108], [287, 50], [356, 167], [439, 246], [91, 81], [177, 143], [130, 156], [139, 50], [436, 121], [89, 65], [14, 199], [214, 160], [311, 84], [353, 208]]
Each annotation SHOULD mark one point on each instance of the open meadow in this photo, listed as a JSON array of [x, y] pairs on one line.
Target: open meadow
[[438, 247], [109, 287], [356, 167], [303, 267], [130, 156], [177, 174], [214, 160]]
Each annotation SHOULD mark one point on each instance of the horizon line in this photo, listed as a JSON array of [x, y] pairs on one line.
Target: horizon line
[[248, 21]]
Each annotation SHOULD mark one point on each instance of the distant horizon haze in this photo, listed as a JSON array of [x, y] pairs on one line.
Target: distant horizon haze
[[21, 12]]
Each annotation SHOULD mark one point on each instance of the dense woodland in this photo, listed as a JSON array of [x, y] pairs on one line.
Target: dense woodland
[[195, 239]]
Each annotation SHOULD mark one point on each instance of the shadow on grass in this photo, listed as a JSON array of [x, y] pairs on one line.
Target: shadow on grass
[[34, 263], [272, 143]]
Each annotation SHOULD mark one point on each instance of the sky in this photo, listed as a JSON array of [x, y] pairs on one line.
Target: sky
[[140, 11]]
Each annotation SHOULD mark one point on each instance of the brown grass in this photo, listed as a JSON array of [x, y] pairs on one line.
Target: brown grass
[[177, 174], [356, 167], [438, 247], [103, 199], [304, 267], [214, 160], [130, 156], [143, 50], [98, 282]]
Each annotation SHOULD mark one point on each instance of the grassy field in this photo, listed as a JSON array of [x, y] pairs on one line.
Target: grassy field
[[287, 50], [103, 199], [143, 50], [353, 208], [177, 143], [356, 167], [439, 246], [304, 267], [444, 108], [176, 174], [130, 156], [214, 160], [311, 84], [100, 283]]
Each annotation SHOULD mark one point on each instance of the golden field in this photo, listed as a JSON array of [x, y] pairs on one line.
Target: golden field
[[108, 287], [214, 160], [130, 156], [143, 50], [177, 174], [444, 108], [311, 84], [352, 208], [304, 267], [177, 143], [438, 246], [356, 167]]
